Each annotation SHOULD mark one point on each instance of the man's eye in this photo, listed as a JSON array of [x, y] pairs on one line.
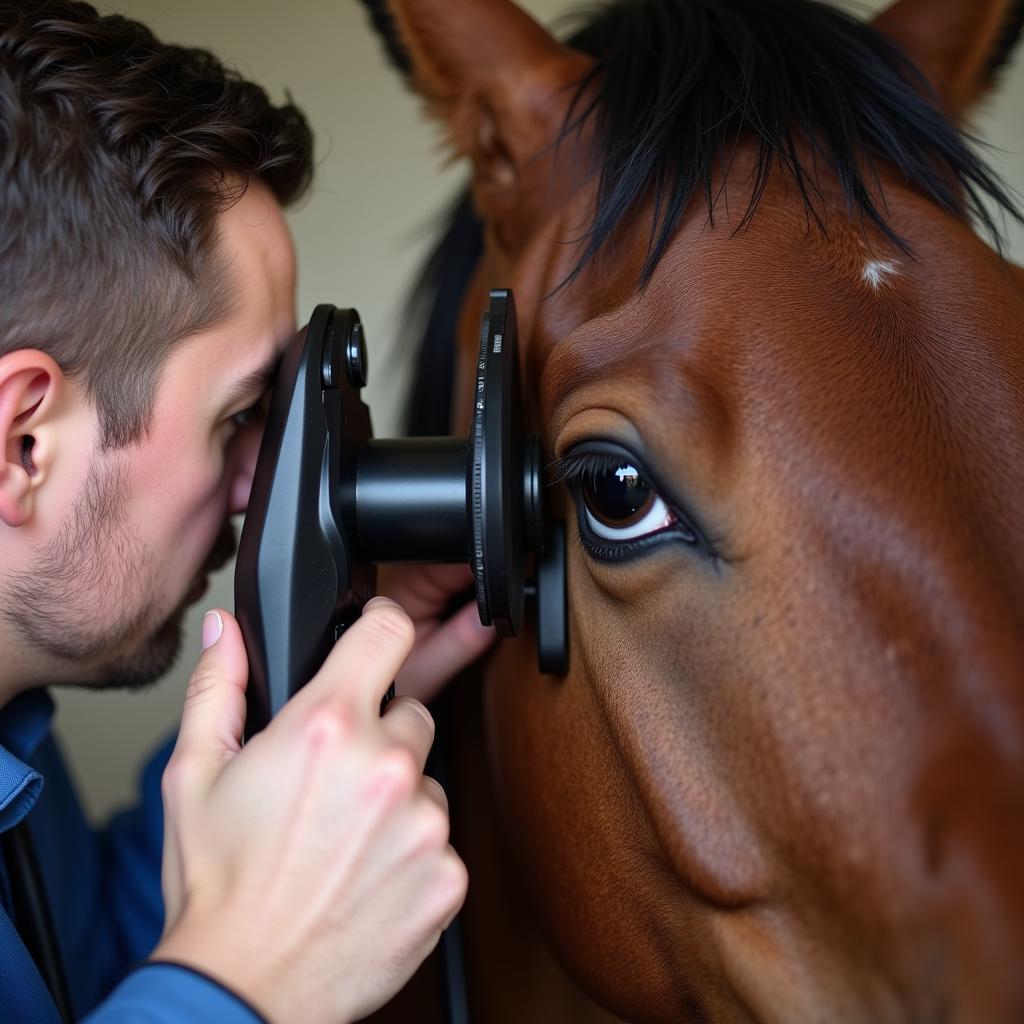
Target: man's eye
[[254, 414]]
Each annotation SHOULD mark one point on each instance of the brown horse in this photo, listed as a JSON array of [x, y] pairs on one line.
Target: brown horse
[[782, 380]]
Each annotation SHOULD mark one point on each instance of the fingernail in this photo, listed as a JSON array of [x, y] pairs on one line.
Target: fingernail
[[428, 718], [377, 601], [213, 626]]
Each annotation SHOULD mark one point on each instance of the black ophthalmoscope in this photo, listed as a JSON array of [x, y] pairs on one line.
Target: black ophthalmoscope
[[330, 502]]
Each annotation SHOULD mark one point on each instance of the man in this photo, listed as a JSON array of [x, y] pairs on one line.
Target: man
[[147, 277]]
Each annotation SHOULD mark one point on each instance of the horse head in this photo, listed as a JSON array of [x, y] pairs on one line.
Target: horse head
[[780, 380]]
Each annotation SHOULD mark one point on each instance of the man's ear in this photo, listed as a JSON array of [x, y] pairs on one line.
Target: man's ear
[[959, 44], [30, 386], [499, 82]]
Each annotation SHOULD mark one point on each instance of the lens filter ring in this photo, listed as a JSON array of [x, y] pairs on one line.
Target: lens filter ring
[[498, 521]]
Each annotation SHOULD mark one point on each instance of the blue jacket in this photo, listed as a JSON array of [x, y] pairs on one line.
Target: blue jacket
[[104, 893]]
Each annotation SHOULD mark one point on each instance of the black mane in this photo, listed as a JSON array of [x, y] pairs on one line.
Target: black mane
[[679, 83], [383, 23], [1008, 39]]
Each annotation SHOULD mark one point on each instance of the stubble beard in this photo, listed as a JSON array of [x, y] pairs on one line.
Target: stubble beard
[[92, 600]]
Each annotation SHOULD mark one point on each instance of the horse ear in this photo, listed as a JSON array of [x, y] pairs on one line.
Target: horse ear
[[960, 44], [493, 76]]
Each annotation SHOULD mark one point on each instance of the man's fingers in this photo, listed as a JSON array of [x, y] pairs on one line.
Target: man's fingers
[[424, 590], [363, 663], [449, 649], [408, 723], [213, 718]]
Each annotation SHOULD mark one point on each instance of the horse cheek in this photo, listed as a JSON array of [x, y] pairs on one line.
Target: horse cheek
[[570, 820]]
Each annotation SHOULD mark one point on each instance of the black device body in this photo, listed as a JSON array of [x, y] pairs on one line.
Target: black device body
[[329, 502]]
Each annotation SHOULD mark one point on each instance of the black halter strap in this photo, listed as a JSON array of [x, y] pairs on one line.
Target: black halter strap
[[32, 915]]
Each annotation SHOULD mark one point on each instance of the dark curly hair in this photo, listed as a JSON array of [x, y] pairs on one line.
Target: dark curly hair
[[117, 153]]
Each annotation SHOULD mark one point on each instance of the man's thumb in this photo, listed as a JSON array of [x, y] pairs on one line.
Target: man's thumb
[[214, 715]]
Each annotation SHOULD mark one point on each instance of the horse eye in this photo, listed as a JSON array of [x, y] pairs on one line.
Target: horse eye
[[619, 504]]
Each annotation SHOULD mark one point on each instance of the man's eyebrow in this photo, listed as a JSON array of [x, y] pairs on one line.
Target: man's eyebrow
[[253, 384]]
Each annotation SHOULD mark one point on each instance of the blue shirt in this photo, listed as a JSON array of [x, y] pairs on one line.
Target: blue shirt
[[104, 893]]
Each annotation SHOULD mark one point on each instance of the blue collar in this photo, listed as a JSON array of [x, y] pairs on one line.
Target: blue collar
[[24, 723]]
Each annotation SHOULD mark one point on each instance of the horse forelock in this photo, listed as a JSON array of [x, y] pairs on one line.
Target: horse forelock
[[678, 85]]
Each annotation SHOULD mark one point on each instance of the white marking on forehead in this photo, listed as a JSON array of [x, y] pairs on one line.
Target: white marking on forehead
[[877, 272]]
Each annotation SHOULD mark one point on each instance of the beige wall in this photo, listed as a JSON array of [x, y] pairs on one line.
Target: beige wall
[[360, 237]]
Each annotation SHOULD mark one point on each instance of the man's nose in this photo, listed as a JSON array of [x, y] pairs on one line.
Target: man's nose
[[246, 452]]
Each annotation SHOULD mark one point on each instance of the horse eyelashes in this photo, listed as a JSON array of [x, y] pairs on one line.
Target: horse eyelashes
[[584, 464]]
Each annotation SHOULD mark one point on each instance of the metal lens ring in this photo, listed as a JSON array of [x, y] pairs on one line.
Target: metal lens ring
[[498, 542], [477, 470]]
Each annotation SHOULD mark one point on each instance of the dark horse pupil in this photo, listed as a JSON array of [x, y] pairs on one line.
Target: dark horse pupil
[[619, 497]]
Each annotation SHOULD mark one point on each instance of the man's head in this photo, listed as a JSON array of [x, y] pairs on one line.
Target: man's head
[[148, 284]]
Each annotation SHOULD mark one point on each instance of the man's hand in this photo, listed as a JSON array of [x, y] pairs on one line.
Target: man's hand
[[443, 647], [310, 871]]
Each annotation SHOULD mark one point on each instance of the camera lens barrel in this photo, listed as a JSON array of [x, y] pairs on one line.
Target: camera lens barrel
[[411, 500]]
